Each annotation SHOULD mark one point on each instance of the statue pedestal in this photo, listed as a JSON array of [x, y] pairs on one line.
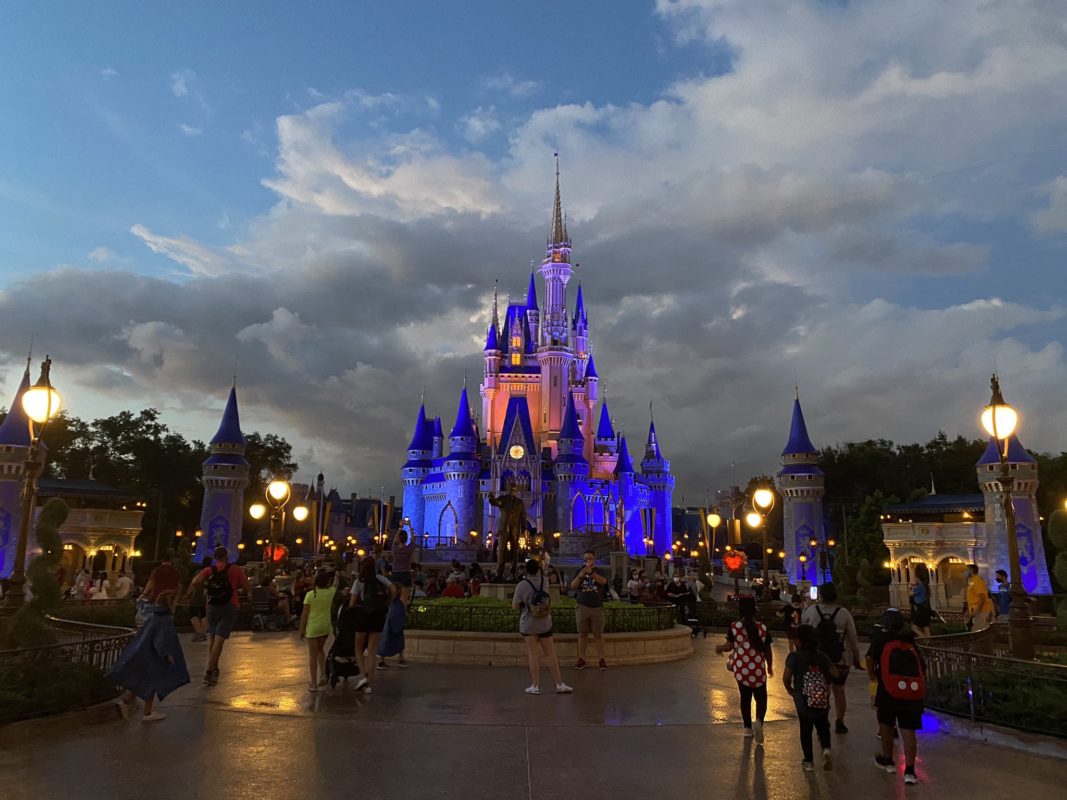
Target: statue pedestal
[[506, 591]]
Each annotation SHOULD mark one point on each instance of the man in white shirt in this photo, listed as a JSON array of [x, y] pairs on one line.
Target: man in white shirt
[[123, 586], [843, 648]]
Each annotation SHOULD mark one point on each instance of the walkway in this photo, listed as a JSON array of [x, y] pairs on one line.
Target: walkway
[[667, 730]]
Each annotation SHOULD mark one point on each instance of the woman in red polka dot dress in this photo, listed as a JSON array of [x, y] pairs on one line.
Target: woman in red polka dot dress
[[749, 645]]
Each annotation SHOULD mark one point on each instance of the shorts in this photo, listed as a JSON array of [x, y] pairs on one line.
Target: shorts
[[921, 616], [401, 577], [842, 674], [907, 715], [370, 623], [589, 619], [220, 620], [197, 612], [546, 635]]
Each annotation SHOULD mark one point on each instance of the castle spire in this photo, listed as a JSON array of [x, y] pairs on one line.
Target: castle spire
[[799, 442], [605, 430], [579, 308], [229, 431], [558, 234], [496, 316], [15, 429], [531, 294], [625, 465], [571, 429], [464, 426]]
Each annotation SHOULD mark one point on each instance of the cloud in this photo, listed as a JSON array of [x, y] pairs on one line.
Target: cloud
[[509, 84], [179, 82], [1053, 218], [102, 255], [189, 130], [479, 124], [196, 257], [107, 73]]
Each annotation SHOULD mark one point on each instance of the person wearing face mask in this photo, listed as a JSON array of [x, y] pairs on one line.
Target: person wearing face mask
[[1003, 594]]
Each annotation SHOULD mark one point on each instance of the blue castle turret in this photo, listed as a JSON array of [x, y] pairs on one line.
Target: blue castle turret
[[14, 447], [801, 486], [656, 475], [225, 478], [1032, 564], [417, 467]]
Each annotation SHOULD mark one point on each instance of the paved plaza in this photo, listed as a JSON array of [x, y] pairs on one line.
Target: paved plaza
[[669, 730]]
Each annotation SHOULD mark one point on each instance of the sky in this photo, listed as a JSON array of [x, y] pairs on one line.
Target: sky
[[865, 200]]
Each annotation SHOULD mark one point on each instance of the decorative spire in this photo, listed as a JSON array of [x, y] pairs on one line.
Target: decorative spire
[[652, 444], [464, 426], [531, 294], [590, 370], [605, 430], [571, 430], [491, 342], [421, 439], [799, 442], [558, 235], [624, 465], [15, 430], [229, 431], [1017, 454], [579, 308], [496, 316]]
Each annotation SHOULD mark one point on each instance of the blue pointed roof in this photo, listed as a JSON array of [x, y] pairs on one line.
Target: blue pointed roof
[[604, 430], [464, 424], [422, 438], [590, 369], [1017, 454], [229, 431], [652, 444], [15, 430], [438, 431], [491, 339], [531, 294], [624, 465], [579, 307], [799, 442], [517, 413], [571, 429]]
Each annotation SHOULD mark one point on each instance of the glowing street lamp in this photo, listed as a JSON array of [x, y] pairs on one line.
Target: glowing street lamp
[[41, 402], [999, 420], [762, 503], [277, 494]]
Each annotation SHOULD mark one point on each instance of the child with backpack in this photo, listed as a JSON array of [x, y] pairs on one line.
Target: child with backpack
[[535, 625], [371, 595], [791, 618], [749, 645], [896, 664], [808, 677], [837, 638]]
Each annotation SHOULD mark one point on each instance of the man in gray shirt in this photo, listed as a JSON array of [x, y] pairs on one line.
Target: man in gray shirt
[[844, 651], [588, 587], [535, 625]]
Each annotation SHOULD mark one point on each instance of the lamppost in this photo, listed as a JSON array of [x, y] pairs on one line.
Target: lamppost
[[41, 403], [1000, 420], [714, 521], [762, 503], [278, 493], [803, 559]]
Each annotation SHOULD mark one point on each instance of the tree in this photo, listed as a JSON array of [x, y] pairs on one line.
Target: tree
[[1057, 534], [865, 540], [31, 629], [269, 456]]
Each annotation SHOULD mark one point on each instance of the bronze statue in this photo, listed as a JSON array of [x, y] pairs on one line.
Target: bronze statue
[[512, 526]]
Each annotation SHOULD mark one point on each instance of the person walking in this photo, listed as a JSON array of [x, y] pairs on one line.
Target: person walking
[[391, 642], [979, 607], [791, 619], [198, 607], [403, 553], [895, 664], [1003, 597], [223, 582], [751, 662], [315, 626], [152, 665], [588, 586], [807, 677], [919, 595], [535, 626], [371, 595], [837, 638]]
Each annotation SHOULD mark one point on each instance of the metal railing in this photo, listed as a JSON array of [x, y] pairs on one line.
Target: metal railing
[[437, 616], [1026, 695]]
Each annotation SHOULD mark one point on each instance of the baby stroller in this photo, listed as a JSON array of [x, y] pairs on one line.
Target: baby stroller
[[341, 660], [687, 615]]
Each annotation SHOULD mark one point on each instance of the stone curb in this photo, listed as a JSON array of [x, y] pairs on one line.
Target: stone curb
[[1000, 736], [13, 732]]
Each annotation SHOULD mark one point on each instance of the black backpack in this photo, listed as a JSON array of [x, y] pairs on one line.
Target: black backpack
[[829, 639], [218, 588], [374, 599], [540, 604]]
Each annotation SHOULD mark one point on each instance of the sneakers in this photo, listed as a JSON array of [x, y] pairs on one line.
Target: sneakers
[[580, 664], [361, 683], [562, 688], [401, 663], [369, 689], [827, 760], [885, 764], [383, 665], [211, 677], [757, 731], [748, 733], [155, 716], [840, 727], [910, 777], [807, 766], [533, 689], [603, 665]]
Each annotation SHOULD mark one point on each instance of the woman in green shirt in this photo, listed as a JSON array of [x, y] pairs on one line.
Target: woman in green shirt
[[315, 627]]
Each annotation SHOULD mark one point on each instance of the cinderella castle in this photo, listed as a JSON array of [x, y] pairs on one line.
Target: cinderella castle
[[540, 435]]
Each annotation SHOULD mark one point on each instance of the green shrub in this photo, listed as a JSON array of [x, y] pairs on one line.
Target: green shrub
[[30, 628], [1002, 698], [36, 688]]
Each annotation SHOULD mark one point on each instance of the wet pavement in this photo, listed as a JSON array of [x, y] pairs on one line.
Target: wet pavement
[[470, 732]]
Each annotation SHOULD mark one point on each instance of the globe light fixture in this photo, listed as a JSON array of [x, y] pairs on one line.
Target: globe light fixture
[[753, 519], [763, 499], [42, 402], [257, 511], [278, 491], [998, 418], [300, 513], [714, 520]]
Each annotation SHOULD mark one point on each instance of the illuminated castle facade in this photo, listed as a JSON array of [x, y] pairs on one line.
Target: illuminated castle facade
[[541, 431]]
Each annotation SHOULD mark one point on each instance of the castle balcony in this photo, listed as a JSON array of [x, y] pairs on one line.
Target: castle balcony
[[923, 534]]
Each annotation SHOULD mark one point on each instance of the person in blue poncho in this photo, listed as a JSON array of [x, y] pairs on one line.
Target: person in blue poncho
[[152, 665], [391, 642]]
